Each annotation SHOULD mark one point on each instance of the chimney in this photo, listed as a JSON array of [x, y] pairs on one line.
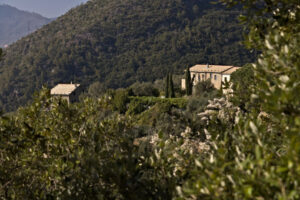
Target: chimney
[[207, 66]]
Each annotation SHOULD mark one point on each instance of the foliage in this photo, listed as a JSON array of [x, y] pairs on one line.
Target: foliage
[[202, 92], [160, 85], [255, 155], [197, 103], [171, 86], [52, 150], [203, 87], [96, 89], [120, 99], [150, 101], [167, 86], [119, 43], [243, 85], [158, 114], [188, 82], [144, 89]]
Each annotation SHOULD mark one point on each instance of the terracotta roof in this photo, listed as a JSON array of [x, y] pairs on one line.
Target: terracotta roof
[[231, 70], [211, 68], [64, 89]]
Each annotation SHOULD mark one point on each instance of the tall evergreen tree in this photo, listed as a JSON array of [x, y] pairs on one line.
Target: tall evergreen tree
[[167, 86], [171, 86], [188, 82]]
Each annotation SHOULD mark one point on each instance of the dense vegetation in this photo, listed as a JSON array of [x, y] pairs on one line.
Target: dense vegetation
[[15, 24], [119, 146], [92, 150], [118, 43]]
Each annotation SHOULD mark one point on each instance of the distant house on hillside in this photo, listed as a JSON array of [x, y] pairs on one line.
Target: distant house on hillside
[[215, 73], [69, 92]]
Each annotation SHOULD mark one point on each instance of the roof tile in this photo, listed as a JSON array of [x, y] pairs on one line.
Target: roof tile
[[214, 68], [64, 89]]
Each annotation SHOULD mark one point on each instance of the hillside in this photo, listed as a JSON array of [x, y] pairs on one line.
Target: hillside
[[119, 42], [15, 24], [130, 144]]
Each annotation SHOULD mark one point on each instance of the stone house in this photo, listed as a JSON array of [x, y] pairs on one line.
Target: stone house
[[69, 92], [217, 74]]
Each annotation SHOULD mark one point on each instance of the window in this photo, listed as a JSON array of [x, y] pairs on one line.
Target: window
[[203, 77], [198, 77], [215, 77]]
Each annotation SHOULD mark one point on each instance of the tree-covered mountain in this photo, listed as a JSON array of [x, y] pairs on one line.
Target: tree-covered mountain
[[119, 42], [15, 24]]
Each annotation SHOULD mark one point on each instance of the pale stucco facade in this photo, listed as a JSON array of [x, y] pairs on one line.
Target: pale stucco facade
[[217, 74]]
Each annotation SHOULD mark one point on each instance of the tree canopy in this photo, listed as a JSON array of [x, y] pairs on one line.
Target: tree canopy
[[119, 146], [119, 43]]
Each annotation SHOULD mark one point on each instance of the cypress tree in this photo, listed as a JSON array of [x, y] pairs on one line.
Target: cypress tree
[[167, 86], [191, 85], [171, 86], [188, 88]]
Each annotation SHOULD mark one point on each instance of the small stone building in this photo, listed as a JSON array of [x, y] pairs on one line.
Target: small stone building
[[217, 74], [69, 92]]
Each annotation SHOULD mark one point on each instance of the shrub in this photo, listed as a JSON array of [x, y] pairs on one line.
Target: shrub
[[136, 106], [203, 87], [144, 89], [120, 100], [96, 89], [243, 85]]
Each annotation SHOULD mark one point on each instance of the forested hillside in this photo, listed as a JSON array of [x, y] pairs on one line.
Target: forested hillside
[[128, 143], [119, 42], [14, 24]]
